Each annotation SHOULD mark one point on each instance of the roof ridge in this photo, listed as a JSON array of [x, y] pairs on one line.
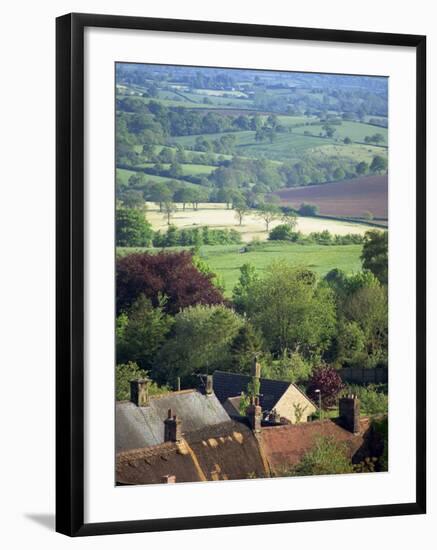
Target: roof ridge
[[261, 377], [144, 452]]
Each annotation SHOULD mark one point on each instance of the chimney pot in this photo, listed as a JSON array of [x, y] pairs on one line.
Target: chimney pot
[[139, 392], [168, 479], [254, 414], [209, 385], [172, 428], [256, 368], [349, 411]]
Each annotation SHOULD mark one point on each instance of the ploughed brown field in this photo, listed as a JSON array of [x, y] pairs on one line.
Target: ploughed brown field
[[350, 198]]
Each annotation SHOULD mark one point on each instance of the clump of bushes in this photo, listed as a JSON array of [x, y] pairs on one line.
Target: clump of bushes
[[284, 232], [373, 399], [196, 237]]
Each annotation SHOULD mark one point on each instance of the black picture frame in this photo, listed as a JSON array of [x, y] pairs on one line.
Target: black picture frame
[[70, 273]]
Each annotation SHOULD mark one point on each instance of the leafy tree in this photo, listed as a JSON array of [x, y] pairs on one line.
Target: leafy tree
[[308, 209], [268, 213], [126, 372], [169, 209], [362, 168], [200, 342], [293, 311], [368, 308], [168, 273], [175, 170], [144, 333], [240, 296], [245, 346], [329, 130], [375, 254], [133, 198], [160, 193], [347, 140], [132, 228], [183, 195], [282, 233], [326, 379], [291, 366], [289, 218], [351, 342], [241, 209], [379, 164], [327, 456], [339, 174]]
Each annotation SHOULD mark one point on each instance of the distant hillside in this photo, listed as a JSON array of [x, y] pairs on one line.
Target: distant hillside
[[350, 198]]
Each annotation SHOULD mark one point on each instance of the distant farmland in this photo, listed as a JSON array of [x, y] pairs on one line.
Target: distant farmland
[[350, 198]]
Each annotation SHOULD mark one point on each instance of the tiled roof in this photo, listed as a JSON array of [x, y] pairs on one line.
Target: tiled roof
[[152, 464], [226, 451], [137, 427], [228, 384], [284, 446]]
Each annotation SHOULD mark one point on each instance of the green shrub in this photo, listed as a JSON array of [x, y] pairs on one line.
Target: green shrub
[[283, 232], [327, 456], [126, 372], [373, 400]]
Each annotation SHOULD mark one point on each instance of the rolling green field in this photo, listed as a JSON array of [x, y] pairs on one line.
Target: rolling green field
[[357, 131], [187, 169], [124, 176], [226, 260], [285, 146]]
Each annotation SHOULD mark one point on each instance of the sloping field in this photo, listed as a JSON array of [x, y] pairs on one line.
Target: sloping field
[[350, 198]]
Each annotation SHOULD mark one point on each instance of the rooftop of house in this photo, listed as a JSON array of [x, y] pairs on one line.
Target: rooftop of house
[[224, 451], [284, 446], [137, 427], [228, 385]]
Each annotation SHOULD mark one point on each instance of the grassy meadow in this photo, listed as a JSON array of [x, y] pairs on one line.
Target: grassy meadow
[[226, 260]]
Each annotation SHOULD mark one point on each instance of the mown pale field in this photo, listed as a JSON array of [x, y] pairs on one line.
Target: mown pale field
[[215, 216]]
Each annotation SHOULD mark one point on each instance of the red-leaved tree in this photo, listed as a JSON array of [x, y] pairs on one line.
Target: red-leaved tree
[[328, 381], [170, 273]]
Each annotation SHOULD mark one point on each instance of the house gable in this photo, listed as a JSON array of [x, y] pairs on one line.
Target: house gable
[[293, 398]]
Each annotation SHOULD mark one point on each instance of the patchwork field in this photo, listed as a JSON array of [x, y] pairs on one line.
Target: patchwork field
[[347, 198], [215, 216]]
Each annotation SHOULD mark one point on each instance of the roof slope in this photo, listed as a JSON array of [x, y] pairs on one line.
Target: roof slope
[[152, 464], [228, 451], [284, 446], [221, 452], [137, 427], [229, 384]]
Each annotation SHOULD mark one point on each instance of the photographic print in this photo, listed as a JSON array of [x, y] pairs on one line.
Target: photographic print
[[251, 274]]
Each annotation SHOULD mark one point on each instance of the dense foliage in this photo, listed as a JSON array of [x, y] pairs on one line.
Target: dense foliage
[[131, 228], [172, 275], [327, 380], [196, 236], [327, 456]]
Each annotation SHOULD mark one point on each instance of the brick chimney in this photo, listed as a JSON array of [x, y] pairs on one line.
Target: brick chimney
[[168, 479], [256, 368], [139, 392], [349, 409], [274, 417], [172, 428], [254, 414], [209, 389]]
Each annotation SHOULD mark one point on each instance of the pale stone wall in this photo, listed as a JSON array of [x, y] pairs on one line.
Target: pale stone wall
[[292, 397]]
